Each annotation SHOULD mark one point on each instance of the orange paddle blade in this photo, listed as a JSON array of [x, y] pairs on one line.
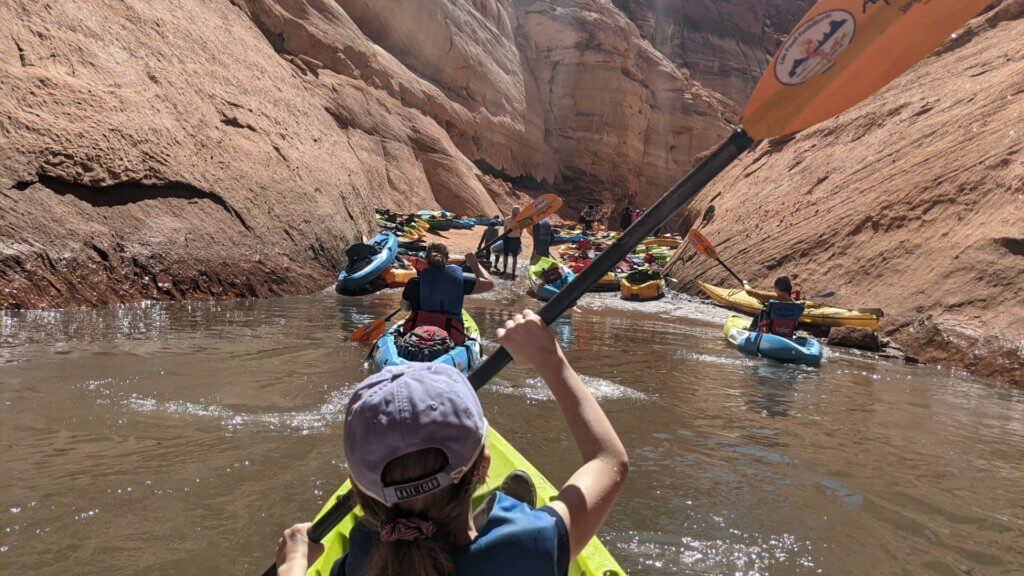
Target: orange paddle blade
[[702, 245], [369, 332], [844, 51], [539, 209]]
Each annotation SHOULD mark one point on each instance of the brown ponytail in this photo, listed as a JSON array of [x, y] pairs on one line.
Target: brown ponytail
[[437, 255], [445, 508]]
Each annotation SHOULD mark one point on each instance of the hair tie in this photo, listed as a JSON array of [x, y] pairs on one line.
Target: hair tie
[[407, 529]]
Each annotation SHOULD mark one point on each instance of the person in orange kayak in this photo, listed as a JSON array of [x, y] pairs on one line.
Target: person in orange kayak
[[781, 314], [416, 449], [435, 296]]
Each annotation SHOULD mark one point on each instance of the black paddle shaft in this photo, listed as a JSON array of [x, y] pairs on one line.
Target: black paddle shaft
[[677, 197], [670, 203], [729, 270]]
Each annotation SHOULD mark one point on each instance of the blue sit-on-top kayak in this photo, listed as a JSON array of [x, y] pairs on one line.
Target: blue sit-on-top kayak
[[367, 261], [805, 351], [464, 357], [543, 289]]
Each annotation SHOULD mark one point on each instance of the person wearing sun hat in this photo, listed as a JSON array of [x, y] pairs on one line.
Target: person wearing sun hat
[[415, 441]]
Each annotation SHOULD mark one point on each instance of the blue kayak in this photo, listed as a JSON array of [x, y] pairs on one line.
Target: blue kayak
[[465, 357], [546, 290], [487, 221], [463, 223], [806, 351], [367, 261], [569, 239]]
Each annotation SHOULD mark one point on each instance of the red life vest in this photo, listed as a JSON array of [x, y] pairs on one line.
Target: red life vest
[[455, 328]]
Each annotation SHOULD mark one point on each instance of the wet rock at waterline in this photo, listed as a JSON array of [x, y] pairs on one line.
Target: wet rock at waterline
[[854, 337]]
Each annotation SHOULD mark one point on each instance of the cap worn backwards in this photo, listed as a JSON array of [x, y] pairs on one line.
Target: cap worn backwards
[[404, 409]]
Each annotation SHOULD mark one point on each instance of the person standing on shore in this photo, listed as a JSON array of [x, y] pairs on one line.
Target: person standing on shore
[[626, 217], [490, 235], [512, 245], [543, 238], [587, 218]]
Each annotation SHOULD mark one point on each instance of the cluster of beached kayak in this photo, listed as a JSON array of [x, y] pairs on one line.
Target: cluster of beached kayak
[[637, 277]]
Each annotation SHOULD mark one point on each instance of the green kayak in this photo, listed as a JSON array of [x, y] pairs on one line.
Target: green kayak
[[595, 560]]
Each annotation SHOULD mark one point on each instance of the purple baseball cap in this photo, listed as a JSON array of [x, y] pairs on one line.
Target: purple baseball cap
[[402, 409]]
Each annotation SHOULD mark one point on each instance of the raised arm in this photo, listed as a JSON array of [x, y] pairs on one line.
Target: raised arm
[[586, 499], [484, 282]]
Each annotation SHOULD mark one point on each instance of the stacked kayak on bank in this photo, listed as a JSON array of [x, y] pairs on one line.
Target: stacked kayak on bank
[[642, 285], [806, 351], [740, 301], [578, 261], [366, 262]]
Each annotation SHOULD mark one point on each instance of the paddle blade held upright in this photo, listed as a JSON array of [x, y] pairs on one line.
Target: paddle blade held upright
[[844, 51], [701, 244]]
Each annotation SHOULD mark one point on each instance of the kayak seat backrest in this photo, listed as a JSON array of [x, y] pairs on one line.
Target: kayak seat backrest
[[781, 318]]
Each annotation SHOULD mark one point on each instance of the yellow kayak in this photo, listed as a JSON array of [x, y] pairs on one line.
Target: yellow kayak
[[650, 290], [740, 301], [665, 241]]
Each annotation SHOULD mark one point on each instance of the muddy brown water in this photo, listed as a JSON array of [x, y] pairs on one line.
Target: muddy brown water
[[182, 438]]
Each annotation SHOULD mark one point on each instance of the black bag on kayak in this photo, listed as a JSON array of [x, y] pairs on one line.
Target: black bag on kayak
[[642, 276], [360, 251], [551, 275], [425, 344]]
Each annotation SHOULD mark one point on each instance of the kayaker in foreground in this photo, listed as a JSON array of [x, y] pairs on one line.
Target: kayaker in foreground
[[435, 296], [512, 245], [416, 499], [780, 315]]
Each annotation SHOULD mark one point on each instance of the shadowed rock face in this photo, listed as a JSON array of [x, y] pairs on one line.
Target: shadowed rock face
[[161, 150], [912, 202]]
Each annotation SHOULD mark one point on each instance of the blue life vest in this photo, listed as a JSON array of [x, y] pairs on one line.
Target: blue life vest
[[543, 237], [781, 318], [442, 290], [515, 540]]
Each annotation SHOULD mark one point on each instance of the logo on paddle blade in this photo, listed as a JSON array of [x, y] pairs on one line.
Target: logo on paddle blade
[[812, 49]]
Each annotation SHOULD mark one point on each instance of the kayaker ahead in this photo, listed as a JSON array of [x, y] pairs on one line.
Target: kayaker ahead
[[416, 498], [436, 294], [781, 314]]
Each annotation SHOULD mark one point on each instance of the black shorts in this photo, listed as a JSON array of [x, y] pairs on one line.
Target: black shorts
[[512, 246]]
